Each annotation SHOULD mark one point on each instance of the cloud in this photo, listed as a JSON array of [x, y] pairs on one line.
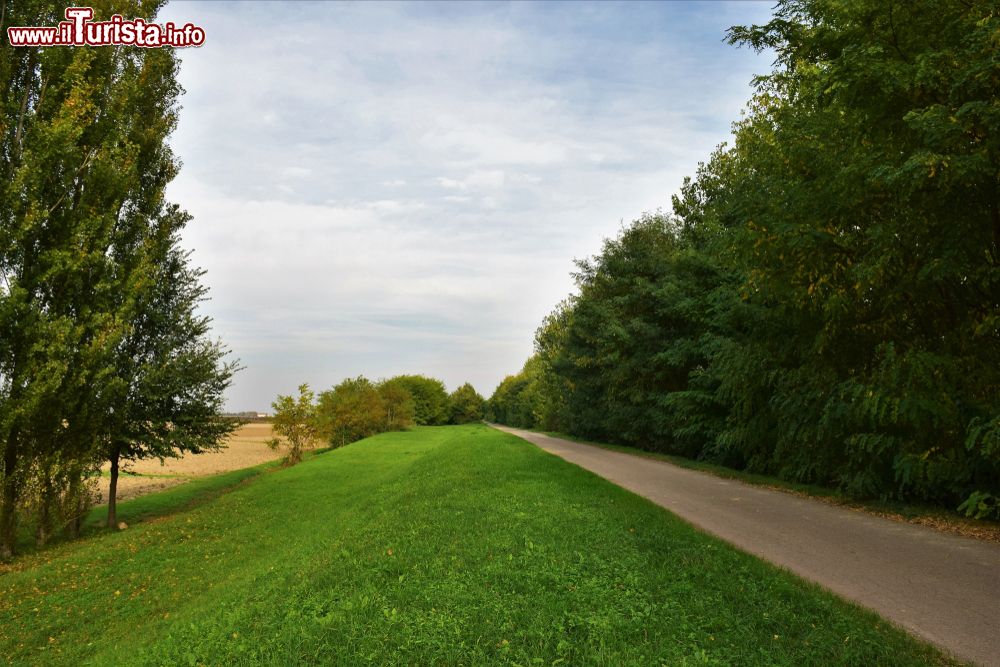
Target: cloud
[[449, 183], [382, 188], [477, 180], [493, 145]]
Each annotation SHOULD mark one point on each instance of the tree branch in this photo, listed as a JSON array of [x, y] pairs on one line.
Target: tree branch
[[86, 163]]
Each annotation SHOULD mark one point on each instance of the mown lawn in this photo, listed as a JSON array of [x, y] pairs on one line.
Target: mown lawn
[[447, 545]]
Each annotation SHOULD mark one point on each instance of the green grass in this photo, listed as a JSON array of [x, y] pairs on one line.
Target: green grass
[[189, 494], [446, 545], [184, 496]]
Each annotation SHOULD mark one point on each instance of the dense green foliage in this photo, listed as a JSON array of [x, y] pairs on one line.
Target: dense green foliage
[[170, 377], [518, 400], [458, 545], [465, 405], [101, 354], [295, 423], [352, 410], [824, 302], [430, 398], [358, 408]]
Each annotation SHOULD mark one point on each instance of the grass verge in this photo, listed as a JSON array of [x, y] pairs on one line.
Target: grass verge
[[442, 545], [938, 518]]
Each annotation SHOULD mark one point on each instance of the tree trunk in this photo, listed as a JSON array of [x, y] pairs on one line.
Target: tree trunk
[[113, 488], [76, 497], [996, 225], [73, 525], [44, 528], [8, 500]]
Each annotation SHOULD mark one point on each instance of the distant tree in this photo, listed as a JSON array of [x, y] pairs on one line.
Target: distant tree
[[518, 401], [466, 405], [551, 339], [351, 411], [634, 334], [295, 419], [398, 404], [430, 398]]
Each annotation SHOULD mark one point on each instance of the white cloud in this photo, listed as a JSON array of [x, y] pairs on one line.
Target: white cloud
[[477, 180], [449, 183], [492, 145], [382, 188], [295, 172]]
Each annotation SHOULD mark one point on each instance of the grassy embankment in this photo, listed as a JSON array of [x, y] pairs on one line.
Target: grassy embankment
[[185, 496], [448, 545]]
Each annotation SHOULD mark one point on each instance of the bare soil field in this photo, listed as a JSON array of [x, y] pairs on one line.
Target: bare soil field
[[245, 448]]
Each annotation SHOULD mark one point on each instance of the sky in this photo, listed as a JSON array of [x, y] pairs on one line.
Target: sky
[[384, 188]]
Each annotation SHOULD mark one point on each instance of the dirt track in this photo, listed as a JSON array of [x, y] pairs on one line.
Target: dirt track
[[245, 448], [943, 588]]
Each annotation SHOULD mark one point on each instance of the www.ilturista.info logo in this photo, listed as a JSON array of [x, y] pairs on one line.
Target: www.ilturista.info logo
[[79, 30]]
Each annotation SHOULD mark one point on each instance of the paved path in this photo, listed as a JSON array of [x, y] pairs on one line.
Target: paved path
[[943, 588]]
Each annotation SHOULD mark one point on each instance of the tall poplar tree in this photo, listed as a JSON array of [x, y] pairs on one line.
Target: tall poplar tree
[[83, 168]]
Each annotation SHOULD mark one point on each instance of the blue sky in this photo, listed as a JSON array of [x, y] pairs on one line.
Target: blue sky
[[385, 188]]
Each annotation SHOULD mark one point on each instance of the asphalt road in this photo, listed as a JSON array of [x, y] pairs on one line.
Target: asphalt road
[[942, 588]]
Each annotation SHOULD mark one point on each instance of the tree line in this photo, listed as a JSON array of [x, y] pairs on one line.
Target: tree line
[[823, 301], [104, 358], [358, 408]]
